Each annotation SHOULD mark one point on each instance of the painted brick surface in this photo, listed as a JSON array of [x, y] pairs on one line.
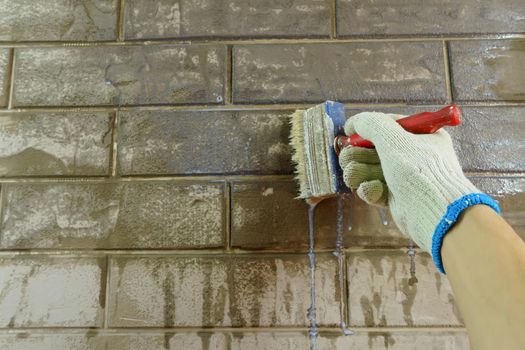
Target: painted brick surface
[[55, 144], [4, 64], [382, 291], [381, 71], [171, 74], [52, 292], [159, 142], [119, 215], [204, 340], [238, 291], [268, 216], [27, 20], [488, 70], [226, 18], [29, 341], [399, 17]]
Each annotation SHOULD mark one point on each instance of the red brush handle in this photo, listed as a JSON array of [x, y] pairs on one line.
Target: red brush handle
[[421, 123]]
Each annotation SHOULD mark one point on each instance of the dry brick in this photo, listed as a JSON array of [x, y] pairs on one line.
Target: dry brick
[[382, 292], [4, 72], [351, 72], [28, 20], [226, 18], [400, 17], [137, 215], [213, 291], [167, 142], [488, 70], [52, 292], [55, 144], [166, 74]]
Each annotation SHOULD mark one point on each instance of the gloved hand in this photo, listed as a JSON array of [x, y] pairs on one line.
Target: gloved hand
[[417, 176]]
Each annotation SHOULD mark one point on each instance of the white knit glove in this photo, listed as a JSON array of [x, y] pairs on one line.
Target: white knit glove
[[418, 176]]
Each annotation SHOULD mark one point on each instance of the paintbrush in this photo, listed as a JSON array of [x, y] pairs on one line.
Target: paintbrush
[[317, 136]]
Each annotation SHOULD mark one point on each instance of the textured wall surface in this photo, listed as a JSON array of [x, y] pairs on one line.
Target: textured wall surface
[[146, 190]]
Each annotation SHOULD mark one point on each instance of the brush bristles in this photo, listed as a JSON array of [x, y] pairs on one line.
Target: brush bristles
[[298, 154]]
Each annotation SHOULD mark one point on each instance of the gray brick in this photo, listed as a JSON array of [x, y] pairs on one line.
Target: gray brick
[[167, 142], [171, 74], [52, 292], [48, 341], [488, 70], [399, 17], [353, 72], [160, 214], [27, 20], [226, 18], [204, 340], [382, 291], [238, 291], [55, 144], [281, 222], [4, 73]]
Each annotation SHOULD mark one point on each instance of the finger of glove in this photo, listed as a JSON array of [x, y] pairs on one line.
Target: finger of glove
[[379, 128], [373, 192], [355, 173], [358, 154], [349, 124]]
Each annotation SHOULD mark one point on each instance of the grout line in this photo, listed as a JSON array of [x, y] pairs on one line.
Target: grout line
[[11, 79], [229, 76], [448, 83], [107, 293], [120, 20], [114, 144], [257, 41], [333, 19], [227, 213]]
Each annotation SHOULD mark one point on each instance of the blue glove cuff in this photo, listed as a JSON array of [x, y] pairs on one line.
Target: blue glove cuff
[[452, 214]]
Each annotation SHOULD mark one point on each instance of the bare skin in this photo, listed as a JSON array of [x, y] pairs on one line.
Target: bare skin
[[484, 260]]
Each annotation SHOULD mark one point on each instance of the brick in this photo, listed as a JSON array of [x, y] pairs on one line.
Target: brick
[[52, 292], [222, 18], [510, 193], [281, 221], [55, 144], [48, 341], [382, 291], [176, 142], [169, 340], [132, 75], [220, 291], [26, 20], [398, 17], [160, 214], [4, 73], [485, 70], [348, 72]]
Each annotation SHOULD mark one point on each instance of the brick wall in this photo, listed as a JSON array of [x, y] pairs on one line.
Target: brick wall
[[146, 187]]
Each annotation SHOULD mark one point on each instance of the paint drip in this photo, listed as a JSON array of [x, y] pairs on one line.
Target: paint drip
[[338, 253], [412, 254], [312, 317], [382, 214]]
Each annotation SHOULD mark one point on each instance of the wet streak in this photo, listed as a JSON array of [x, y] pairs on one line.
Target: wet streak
[[312, 317]]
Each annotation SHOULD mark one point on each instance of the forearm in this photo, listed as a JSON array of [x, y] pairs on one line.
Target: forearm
[[485, 263]]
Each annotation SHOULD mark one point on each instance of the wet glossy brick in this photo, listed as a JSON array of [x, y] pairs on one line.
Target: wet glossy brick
[[4, 73], [216, 291], [226, 18], [354, 72], [132, 75], [161, 214], [383, 292], [52, 292], [490, 70], [55, 144], [167, 142], [399, 17], [68, 20]]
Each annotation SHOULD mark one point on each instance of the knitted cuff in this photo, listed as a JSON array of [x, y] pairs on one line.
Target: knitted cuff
[[452, 214]]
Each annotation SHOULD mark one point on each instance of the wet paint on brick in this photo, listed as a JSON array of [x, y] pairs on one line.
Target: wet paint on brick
[[167, 74], [353, 72], [488, 70], [220, 291], [430, 18], [4, 72], [113, 215], [55, 144], [51, 292], [226, 18], [68, 20], [167, 142], [382, 291]]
